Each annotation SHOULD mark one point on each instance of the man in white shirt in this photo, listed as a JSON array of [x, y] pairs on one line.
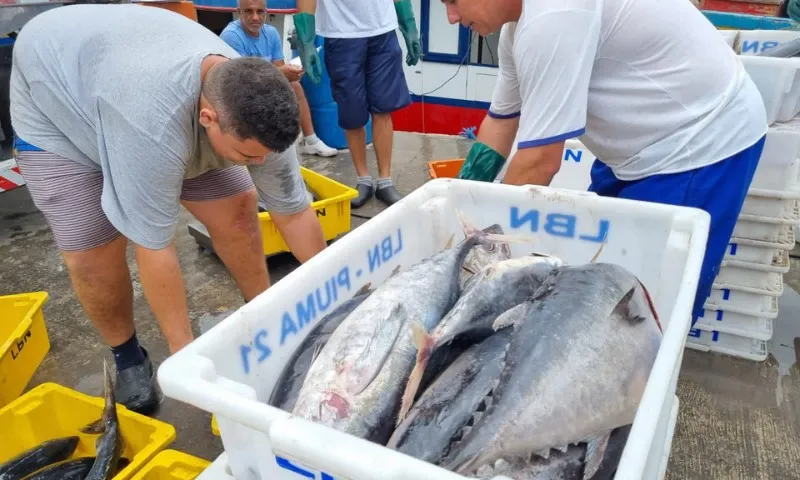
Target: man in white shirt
[[364, 61], [650, 87]]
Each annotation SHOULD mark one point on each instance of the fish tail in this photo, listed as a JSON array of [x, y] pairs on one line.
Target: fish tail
[[424, 343], [508, 238], [469, 228]]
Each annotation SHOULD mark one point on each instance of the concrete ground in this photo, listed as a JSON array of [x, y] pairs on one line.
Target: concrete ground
[[738, 419]]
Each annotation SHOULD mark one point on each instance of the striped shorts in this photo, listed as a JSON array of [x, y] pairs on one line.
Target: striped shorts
[[69, 193]]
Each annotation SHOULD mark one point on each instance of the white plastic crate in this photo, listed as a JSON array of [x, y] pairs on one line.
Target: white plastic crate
[[764, 228], [754, 42], [770, 203], [218, 470], [778, 80], [231, 370], [752, 275], [756, 323], [745, 302], [774, 285], [755, 251], [725, 343]]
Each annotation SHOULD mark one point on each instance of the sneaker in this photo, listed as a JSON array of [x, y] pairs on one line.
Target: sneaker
[[317, 148], [136, 387]]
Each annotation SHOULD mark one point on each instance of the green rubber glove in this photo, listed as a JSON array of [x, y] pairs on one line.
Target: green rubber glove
[[483, 163], [408, 27], [306, 33]]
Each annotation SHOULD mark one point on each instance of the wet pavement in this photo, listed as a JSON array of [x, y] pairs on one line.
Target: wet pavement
[[738, 419]]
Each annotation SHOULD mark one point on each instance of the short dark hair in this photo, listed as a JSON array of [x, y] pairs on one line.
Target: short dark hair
[[254, 100]]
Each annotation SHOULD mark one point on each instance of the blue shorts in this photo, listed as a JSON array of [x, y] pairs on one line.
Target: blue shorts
[[366, 77], [719, 189]]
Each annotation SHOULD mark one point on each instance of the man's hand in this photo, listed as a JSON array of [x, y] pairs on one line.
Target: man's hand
[[408, 27], [305, 26], [483, 163], [291, 72]]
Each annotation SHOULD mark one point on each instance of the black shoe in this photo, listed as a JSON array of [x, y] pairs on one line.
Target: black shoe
[[136, 387], [364, 193], [388, 195]]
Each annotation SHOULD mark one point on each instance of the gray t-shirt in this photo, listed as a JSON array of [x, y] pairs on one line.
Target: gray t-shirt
[[116, 88]]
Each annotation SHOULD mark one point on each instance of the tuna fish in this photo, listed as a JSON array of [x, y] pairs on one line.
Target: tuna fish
[[493, 290], [288, 385], [109, 444], [483, 255], [40, 456], [448, 404], [576, 368], [356, 383], [559, 465], [76, 469]]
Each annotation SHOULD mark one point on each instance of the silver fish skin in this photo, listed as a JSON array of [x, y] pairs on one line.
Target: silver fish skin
[[493, 290], [559, 465], [356, 382], [483, 255], [576, 368], [446, 407], [109, 444], [288, 385]]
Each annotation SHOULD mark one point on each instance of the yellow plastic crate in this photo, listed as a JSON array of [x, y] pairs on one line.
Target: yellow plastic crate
[[214, 426], [172, 465], [51, 411], [333, 212], [23, 342]]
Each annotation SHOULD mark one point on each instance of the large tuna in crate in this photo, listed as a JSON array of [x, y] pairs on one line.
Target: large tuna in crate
[[233, 368]]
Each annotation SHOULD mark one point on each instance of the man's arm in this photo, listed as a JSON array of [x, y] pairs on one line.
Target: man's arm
[[554, 88], [498, 129], [141, 198], [307, 6], [281, 187]]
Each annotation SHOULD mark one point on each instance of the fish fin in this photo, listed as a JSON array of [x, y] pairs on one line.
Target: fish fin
[[363, 290], [543, 453], [509, 317], [597, 255], [424, 343], [650, 304], [450, 242], [595, 450], [395, 271], [468, 227], [510, 238], [627, 310], [368, 364], [95, 428]]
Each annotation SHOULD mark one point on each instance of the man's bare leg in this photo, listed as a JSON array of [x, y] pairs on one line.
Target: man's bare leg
[[311, 144], [232, 223], [382, 138], [357, 142], [102, 281]]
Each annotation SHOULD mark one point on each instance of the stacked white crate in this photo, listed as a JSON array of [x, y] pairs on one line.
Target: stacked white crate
[[739, 313]]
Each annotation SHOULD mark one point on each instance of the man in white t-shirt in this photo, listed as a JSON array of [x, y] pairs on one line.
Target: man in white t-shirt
[[364, 61], [649, 86]]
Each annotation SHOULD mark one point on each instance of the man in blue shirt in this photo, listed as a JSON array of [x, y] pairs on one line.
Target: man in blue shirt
[[252, 36]]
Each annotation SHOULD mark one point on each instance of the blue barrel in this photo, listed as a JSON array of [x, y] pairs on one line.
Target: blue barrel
[[324, 111]]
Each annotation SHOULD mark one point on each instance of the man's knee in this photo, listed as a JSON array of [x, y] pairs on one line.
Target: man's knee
[[244, 211]]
